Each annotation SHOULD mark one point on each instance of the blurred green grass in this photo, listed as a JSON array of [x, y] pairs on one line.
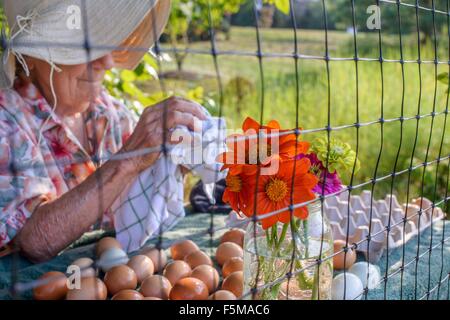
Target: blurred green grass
[[279, 98]]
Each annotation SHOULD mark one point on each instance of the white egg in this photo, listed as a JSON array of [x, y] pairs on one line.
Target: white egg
[[112, 257], [361, 269], [86, 267], [353, 287]]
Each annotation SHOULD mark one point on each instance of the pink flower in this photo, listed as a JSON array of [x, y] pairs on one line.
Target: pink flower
[[63, 148], [332, 182]]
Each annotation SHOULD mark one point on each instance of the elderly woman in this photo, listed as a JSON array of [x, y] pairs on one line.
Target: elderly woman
[[58, 126]]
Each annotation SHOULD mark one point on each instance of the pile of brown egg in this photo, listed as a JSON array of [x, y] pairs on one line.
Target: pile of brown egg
[[190, 275]]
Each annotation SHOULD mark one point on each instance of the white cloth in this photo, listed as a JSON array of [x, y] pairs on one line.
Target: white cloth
[[154, 202]]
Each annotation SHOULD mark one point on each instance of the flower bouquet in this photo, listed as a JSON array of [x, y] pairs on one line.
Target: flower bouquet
[[275, 178]]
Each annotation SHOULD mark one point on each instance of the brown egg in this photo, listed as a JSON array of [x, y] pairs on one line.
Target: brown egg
[[189, 289], [208, 275], [181, 249], [54, 288], [142, 266], [222, 295], [106, 243], [234, 283], [177, 270], [228, 250], [156, 286], [197, 258], [234, 235], [338, 260], [151, 298], [159, 258], [128, 295], [90, 289], [232, 265], [120, 278]]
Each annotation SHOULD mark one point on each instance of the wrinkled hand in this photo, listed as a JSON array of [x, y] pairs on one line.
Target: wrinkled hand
[[149, 131]]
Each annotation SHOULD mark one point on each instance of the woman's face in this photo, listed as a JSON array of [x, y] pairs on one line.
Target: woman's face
[[75, 86]]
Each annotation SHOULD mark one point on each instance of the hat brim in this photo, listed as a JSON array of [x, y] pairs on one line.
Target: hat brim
[[143, 37], [128, 39], [133, 39]]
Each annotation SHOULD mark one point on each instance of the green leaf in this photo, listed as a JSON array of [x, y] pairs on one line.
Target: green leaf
[[275, 290], [109, 76], [443, 77], [127, 76], [130, 89], [140, 69], [196, 94], [283, 6], [149, 60], [152, 72], [156, 98]]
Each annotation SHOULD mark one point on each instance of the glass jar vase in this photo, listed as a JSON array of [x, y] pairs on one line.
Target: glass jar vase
[[269, 256]]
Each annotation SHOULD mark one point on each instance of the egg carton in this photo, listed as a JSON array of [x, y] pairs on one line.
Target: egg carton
[[356, 218]]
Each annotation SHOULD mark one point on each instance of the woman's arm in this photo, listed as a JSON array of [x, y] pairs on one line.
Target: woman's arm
[[55, 225]]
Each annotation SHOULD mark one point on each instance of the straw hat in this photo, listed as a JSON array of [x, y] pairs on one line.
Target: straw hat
[[57, 31]]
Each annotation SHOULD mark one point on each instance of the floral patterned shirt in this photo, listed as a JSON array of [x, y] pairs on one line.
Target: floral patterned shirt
[[33, 172]]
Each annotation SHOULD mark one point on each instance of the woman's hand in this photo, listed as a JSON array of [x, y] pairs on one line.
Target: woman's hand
[[149, 131]]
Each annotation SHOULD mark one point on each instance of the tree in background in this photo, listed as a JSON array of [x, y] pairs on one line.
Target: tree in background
[[282, 5], [308, 14], [177, 28], [190, 21], [341, 10]]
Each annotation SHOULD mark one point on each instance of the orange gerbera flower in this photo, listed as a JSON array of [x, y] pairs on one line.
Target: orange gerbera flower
[[246, 153], [274, 192], [236, 192]]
